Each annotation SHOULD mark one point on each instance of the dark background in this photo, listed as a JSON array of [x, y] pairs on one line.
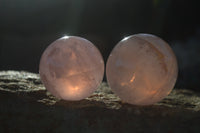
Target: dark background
[[27, 27]]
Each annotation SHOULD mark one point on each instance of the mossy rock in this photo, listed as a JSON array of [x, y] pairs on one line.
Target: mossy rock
[[26, 106]]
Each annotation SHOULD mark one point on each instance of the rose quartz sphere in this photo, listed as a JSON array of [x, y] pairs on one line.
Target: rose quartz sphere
[[71, 68], [142, 69]]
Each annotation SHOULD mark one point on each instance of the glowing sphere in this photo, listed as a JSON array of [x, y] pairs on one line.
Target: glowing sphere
[[142, 69], [71, 68]]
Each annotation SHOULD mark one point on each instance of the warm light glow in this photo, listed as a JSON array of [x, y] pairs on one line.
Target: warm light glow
[[133, 78], [71, 73], [71, 91], [71, 68], [142, 69], [123, 84]]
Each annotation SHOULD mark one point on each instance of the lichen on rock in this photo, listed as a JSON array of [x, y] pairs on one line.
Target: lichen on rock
[[26, 106]]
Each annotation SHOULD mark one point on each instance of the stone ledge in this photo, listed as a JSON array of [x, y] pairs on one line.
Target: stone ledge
[[26, 106]]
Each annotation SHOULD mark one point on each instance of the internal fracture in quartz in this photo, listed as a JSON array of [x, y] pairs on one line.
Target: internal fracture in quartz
[[142, 69], [71, 68]]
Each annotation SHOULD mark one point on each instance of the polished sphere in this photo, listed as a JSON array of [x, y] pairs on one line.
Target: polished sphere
[[142, 69], [71, 68]]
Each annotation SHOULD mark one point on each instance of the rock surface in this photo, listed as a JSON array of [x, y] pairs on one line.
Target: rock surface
[[26, 106]]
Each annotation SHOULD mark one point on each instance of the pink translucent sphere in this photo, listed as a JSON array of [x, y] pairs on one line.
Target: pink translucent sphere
[[142, 69], [71, 68]]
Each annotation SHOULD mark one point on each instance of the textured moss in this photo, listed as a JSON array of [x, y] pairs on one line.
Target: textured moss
[[25, 106]]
